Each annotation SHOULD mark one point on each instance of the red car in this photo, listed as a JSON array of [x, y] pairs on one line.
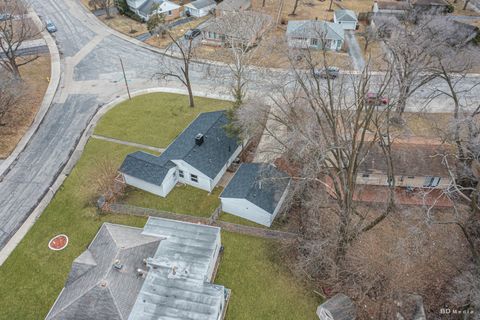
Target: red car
[[373, 99]]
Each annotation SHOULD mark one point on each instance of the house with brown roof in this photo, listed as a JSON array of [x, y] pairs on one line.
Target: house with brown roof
[[415, 166]]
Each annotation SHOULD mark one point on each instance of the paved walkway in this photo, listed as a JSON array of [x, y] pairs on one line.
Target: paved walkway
[[128, 143], [354, 50]]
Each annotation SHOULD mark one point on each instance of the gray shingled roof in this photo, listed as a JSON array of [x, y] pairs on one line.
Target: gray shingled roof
[[315, 29], [200, 4], [261, 184], [209, 158], [345, 15], [96, 290]]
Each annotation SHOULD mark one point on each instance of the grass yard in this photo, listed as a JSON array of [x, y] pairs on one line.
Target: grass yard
[[261, 287], [176, 32], [33, 273], [200, 203], [227, 217], [35, 76], [154, 119], [125, 25]]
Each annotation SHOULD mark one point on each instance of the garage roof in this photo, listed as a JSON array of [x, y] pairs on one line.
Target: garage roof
[[261, 184]]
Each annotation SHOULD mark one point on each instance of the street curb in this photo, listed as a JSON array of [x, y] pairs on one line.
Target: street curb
[[77, 153], [55, 72]]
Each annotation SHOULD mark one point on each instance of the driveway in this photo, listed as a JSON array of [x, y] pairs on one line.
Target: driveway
[[354, 50]]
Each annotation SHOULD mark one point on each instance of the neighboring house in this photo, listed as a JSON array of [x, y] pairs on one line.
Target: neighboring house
[[199, 156], [431, 6], [386, 8], [227, 6], [144, 8], [163, 271], [315, 34], [245, 28], [346, 18], [415, 166], [256, 193], [338, 307], [199, 8]]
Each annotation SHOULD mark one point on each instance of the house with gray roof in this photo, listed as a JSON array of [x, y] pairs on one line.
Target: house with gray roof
[[146, 8], [199, 156], [161, 272], [256, 193], [199, 8], [338, 307], [315, 34], [346, 18]]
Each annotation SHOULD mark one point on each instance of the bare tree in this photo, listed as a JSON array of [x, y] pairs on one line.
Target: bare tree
[[102, 5], [15, 28], [326, 127], [242, 31], [295, 6], [411, 43], [179, 68], [10, 90]]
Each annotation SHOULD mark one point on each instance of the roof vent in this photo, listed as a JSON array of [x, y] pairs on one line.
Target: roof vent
[[117, 265], [199, 139], [141, 273]]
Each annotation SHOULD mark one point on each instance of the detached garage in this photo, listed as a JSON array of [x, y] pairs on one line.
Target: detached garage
[[256, 193]]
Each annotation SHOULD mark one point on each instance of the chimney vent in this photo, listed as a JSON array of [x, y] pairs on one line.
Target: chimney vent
[[199, 139], [117, 265]]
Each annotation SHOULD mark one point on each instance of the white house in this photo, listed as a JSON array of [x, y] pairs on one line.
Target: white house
[[315, 34], [346, 18], [199, 8], [199, 157], [145, 8], [256, 193]]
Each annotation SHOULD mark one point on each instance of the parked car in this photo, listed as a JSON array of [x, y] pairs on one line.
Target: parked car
[[5, 16], [50, 26], [373, 99], [192, 33], [327, 73]]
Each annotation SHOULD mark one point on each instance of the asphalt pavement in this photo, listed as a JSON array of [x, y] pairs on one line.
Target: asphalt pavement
[[92, 76]]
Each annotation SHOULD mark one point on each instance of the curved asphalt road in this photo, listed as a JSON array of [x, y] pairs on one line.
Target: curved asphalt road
[[91, 76]]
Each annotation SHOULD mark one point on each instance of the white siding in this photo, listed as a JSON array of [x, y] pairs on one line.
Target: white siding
[[140, 184], [204, 182], [170, 181], [200, 12], [225, 167], [134, 4], [247, 210], [348, 25]]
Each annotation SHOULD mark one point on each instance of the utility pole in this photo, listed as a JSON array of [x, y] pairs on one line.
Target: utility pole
[[125, 78]]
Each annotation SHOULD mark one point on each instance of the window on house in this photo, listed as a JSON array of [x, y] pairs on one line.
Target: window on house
[[314, 42], [431, 182], [181, 174], [194, 178], [365, 175], [411, 177], [169, 12]]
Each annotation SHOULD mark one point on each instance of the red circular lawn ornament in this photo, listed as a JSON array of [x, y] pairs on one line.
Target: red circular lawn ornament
[[58, 242]]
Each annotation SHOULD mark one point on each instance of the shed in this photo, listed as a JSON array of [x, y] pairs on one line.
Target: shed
[[346, 18], [200, 8], [338, 307], [256, 193]]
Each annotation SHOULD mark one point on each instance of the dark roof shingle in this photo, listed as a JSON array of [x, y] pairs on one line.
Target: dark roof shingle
[[261, 184]]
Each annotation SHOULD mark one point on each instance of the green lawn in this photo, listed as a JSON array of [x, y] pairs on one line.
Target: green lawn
[[261, 287], [227, 217], [154, 119], [182, 199], [33, 276]]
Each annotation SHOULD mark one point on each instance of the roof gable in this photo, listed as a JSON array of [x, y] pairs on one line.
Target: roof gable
[[345, 15], [200, 4], [209, 157], [315, 29]]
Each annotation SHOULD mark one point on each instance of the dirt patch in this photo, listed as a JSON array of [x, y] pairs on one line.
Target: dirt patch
[[177, 32], [36, 76], [125, 25]]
